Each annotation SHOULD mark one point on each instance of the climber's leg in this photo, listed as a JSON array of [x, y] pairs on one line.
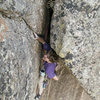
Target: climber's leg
[[41, 85]]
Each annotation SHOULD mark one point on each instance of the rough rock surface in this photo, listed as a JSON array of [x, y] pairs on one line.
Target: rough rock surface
[[19, 52], [66, 88], [75, 36]]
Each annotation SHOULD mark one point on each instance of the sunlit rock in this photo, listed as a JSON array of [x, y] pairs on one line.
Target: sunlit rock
[[75, 36], [19, 52]]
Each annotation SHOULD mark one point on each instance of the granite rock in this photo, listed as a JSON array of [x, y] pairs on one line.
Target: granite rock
[[19, 52], [75, 36]]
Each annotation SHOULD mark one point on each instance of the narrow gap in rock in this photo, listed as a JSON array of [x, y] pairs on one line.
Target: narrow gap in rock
[[46, 36], [66, 80], [49, 13]]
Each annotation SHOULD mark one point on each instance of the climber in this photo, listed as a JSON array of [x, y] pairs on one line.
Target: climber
[[50, 58]]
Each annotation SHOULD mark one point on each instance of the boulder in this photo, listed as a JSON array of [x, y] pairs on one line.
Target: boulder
[[19, 52], [75, 36]]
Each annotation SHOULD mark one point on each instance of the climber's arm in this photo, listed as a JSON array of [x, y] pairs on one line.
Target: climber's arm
[[41, 40], [36, 37]]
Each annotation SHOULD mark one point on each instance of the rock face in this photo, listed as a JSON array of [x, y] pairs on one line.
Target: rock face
[[75, 36], [66, 88], [19, 52]]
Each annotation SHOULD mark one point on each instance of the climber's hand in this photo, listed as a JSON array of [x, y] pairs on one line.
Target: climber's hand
[[35, 36]]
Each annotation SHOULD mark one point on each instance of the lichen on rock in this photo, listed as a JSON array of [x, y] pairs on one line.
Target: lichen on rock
[[76, 26]]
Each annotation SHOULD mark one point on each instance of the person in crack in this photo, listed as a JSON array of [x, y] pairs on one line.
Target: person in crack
[[50, 59]]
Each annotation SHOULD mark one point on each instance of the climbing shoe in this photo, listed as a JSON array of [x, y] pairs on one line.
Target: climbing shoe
[[37, 96]]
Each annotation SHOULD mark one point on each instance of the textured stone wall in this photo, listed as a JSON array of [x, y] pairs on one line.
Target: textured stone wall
[[75, 36], [19, 52]]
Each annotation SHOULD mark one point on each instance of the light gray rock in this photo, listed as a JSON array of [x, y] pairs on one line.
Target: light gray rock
[[18, 67], [32, 10], [75, 36], [19, 52]]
